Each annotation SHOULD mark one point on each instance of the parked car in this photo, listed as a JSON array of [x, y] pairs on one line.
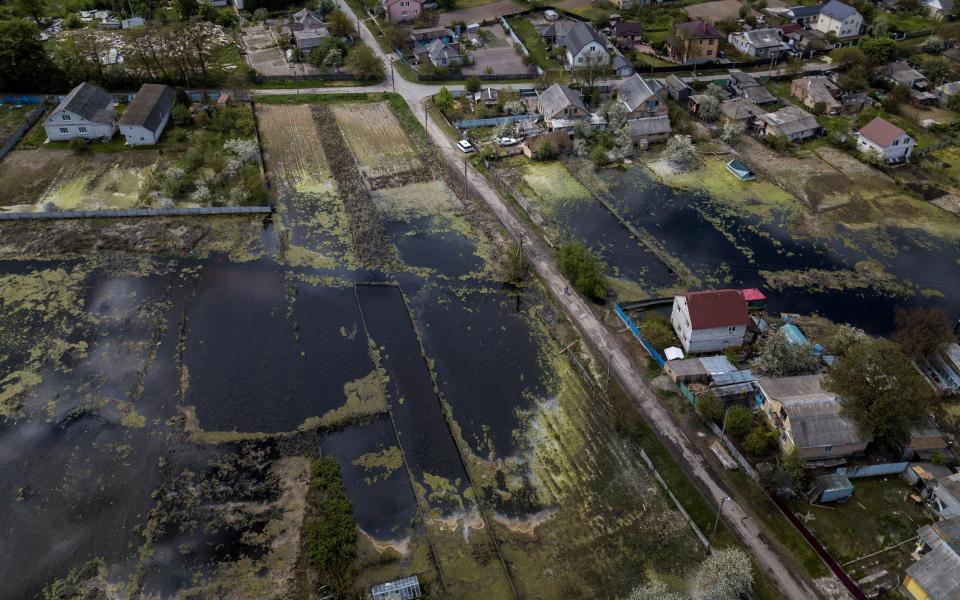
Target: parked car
[[465, 146], [507, 141]]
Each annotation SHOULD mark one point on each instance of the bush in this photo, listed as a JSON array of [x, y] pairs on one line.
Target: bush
[[709, 407], [599, 156], [759, 440], [657, 330], [545, 150], [331, 536], [739, 421], [584, 269]]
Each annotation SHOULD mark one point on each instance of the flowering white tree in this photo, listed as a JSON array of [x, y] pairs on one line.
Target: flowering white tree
[[616, 115], [516, 107], [708, 108], [724, 575], [622, 144], [779, 357], [655, 590], [244, 149], [730, 130], [680, 151], [714, 90]]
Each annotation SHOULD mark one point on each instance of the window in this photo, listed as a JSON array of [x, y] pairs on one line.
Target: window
[[896, 142], [403, 13], [64, 130], [709, 52], [732, 328], [82, 130], [828, 449], [65, 117]]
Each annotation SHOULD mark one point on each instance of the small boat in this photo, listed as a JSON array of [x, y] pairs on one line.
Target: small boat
[[742, 171]]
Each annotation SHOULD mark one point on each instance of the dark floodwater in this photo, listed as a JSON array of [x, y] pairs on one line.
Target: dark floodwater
[[264, 353], [446, 251], [424, 434], [486, 362], [681, 221], [593, 225]]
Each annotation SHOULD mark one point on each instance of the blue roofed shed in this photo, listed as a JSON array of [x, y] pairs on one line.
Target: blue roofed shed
[[793, 333], [742, 171], [830, 488]]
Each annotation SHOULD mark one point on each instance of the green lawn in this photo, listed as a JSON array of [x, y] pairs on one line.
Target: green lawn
[[907, 23], [880, 514], [651, 61], [534, 43], [11, 117]]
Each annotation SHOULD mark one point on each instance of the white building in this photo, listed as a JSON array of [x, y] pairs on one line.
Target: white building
[[585, 47], [143, 121], [85, 113], [885, 138], [711, 321], [843, 20], [762, 43]]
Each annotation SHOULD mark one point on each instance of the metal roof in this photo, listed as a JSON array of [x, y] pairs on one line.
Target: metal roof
[[938, 572], [790, 119], [650, 125], [579, 36], [734, 377], [407, 588], [635, 90], [152, 103], [762, 38], [837, 10], [90, 102], [557, 97], [735, 389], [881, 132], [717, 365], [801, 12]]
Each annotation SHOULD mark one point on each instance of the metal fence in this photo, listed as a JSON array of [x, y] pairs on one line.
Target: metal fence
[[532, 212], [656, 474], [14, 137], [134, 212], [636, 333], [873, 470], [494, 121]]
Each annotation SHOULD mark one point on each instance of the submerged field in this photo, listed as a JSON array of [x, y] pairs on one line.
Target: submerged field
[[857, 240], [181, 390]]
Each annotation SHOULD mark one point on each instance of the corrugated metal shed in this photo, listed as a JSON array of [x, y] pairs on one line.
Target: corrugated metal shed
[[938, 572], [717, 365]]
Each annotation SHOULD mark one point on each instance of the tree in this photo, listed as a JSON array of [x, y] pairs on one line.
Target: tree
[[473, 84], [364, 64], [879, 51], [794, 465], [32, 9], [779, 357], [24, 63], [615, 113], [340, 24], [848, 57], [319, 54], [932, 45], [759, 440], [881, 390], [730, 130], [844, 338], [186, 8], [739, 421], [334, 59], [724, 575], [545, 150], [588, 72], [936, 68], [599, 156], [584, 269], [657, 330], [921, 331], [954, 103], [714, 91], [515, 107], [709, 407], [655, 590], [708, 108], [854, 79], [443, 100], [680, 151]]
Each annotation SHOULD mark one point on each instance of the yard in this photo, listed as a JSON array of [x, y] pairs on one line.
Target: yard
[[908, 23], [534, 42], [212, 162], [880, 514], [497, 56], [719, 10], [480, 13], [11, 117]]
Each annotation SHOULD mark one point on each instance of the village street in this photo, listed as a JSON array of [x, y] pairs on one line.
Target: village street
[[606, 342]]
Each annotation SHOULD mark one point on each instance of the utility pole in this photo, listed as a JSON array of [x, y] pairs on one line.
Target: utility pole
[[425, 105], [393, 82], [464, 177], [719, 512]]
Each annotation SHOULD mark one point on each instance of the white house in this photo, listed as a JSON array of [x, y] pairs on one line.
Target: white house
[[85, 113], [585, 47], [711, 321], [758, 42], [144, 120], [843, 20], [885, 138]]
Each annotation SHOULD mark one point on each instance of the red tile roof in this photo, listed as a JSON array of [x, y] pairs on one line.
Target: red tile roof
[[752, 294], [717, 308], [881, 132]]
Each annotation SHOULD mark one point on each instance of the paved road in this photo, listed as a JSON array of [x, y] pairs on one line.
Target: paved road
[[605, 341]]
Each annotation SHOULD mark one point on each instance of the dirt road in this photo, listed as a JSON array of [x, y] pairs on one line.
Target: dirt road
[[605, 341]]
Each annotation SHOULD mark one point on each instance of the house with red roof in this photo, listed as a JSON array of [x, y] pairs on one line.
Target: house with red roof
[[694, 42], [882, 137], [712, 320]]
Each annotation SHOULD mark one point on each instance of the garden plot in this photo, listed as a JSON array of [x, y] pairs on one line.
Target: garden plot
[[43, 179], [293, 149], [376, 139]]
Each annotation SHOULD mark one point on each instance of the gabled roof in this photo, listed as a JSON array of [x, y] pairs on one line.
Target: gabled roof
[[881, 132], [431, 32], [837, 10], [699, 29], [716, 308], [949, 89], [619, 62], [438, 50], [814, 414], [90, 102], [790, 119], [802, 12], [558, 29], [557, 97], [740, 108], [818, 89], [152, 103], [675, 83], [938, 572], [305, 15], [635, 90], [762, 38], [649, 126], [579, 36], [628, 28]]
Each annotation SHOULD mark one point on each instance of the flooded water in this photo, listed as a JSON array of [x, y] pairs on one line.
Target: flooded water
[[733, 250]]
